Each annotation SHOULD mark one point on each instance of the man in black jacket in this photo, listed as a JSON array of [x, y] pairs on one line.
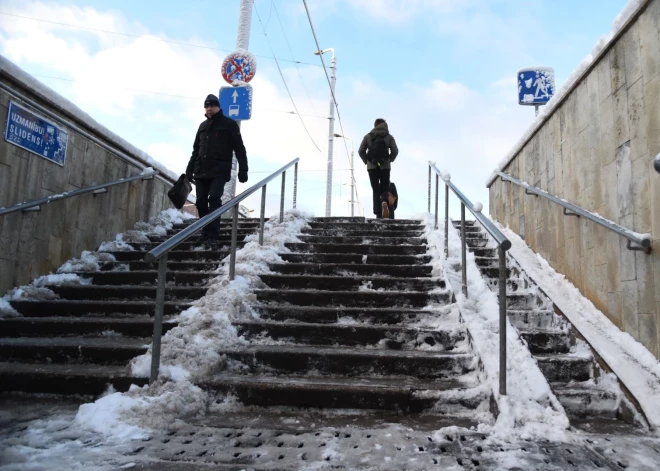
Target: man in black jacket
[[378, 150], [217, 139]]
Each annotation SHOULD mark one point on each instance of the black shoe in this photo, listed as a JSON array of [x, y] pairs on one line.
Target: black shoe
[[210, 236]]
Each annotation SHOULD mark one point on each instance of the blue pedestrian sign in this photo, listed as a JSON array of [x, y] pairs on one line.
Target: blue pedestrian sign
[[236, 102], [536, 85], [35, 134]]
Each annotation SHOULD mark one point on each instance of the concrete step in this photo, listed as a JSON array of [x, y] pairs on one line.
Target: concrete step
[[367, 226], [476, 242], [562, 368], [516, 301], [355, 240], [189, 246], [332, 315], [586, 400], [67, 307], [414, 271], [483, 252], [358, 249], [92, 292], [150, 277], [547, 341], [363, 220], [527, 320], [171, 265], [494, 272], [399, 393], [356, 258], [223, 237], [101, 350], [512, 284], [224, 231], [78, 326], [351, 362], [224, 223], [350, 283], [385, 337], [468, 228], [53, 378], [468, 222], [351, 298], [487, 262], [216, 255], [359, 233]]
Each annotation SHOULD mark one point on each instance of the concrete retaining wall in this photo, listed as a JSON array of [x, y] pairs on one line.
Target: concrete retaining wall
[[596, 150], [34, 244]]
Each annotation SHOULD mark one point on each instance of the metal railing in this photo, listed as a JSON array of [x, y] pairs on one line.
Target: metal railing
[[643, 241], [35, 206], [503, 244], [160, 253]]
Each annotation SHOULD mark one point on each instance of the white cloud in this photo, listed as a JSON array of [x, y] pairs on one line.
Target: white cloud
[[463, 130]]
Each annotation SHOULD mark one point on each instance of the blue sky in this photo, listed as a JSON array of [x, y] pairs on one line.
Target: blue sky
[[442, 72]]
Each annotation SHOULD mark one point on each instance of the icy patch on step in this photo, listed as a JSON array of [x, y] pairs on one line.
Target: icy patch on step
[[530, 408], [117, 245], [6, 310], [87, 263]]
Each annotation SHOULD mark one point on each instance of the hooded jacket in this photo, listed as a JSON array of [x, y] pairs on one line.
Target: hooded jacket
[[380, 130], [215, 143]]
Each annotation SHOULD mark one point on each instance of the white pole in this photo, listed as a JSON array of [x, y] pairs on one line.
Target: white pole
[[352, 184], [331, 137], [242, 42]]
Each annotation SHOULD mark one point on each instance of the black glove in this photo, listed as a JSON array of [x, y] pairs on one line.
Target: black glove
[[189, 177], [242, 177]]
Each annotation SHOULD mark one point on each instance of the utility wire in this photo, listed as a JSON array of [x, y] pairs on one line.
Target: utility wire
[[283, 79], [332, 92], [163, 94], [272, 2], [179, 43]]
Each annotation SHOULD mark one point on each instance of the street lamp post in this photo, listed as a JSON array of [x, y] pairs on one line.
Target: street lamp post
[[352, 175], [331, 131]]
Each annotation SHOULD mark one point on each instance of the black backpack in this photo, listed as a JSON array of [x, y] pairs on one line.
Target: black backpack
[[377, 151]]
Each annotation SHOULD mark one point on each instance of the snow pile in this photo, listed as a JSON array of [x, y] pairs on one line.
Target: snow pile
[[578, 74], [87, 263], [635, 366], [16, 73], [530, 410], [189, 351], [38, 290]]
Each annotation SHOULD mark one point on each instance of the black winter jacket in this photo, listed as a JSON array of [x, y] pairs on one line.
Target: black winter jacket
[[216, 140]]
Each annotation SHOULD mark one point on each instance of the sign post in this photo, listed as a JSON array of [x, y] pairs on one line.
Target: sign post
[[536, 85]]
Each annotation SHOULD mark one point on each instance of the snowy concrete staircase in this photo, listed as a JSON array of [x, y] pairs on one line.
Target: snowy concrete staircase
[[82, 340], [353, 319], [591, 397]]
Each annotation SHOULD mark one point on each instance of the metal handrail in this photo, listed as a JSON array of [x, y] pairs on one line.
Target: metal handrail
[[503, 244], [642, 240], [34, 206], [160, 253]]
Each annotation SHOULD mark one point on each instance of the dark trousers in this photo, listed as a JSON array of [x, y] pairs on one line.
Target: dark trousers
[[209, 198], [380, 183]]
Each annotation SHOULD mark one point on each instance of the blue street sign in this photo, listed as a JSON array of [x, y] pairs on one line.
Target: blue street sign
[[536, 85], [236, 102], [35, 134]]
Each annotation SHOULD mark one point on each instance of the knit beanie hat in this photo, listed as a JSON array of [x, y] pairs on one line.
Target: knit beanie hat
[[211, 100]]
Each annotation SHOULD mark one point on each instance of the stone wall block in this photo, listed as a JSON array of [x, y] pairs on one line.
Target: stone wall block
[[645, 282], [648, 332], [629, 306], [615, 308], [621, 123], [617, 67], [54, 253], [33, 189], [613, 249], [627, 261], [7, 274], [604, 78], [649, 41], [76, 165], [637, 120], [641, 196], [624, 181], [633, 60], [607, 143], [652, 107], [10, 229], [609, 179], [582, 106]]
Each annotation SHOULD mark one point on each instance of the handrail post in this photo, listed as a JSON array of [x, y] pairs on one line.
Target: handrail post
[[502, 300], [446, 221], [463, 251], [437, 186], [158, 318], [295, 184], [282, 196], [263, 215], [234, 237], [429, 210]]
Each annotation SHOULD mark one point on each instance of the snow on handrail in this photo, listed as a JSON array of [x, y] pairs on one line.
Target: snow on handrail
[[96, 189], [643, 240], [485, 222]]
